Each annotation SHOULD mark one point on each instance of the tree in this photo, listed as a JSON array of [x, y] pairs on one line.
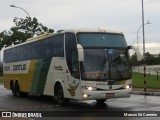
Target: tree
[[133, 60], [149, 60], [147, 54], [31, 26], [23, 29]]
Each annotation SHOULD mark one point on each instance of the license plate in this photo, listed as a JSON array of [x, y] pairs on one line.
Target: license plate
[[110, 94]]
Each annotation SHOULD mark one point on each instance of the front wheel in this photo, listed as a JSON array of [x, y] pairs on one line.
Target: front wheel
[[60, 96]]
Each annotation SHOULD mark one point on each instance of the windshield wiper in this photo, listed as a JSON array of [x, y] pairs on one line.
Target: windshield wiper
[[102, 69], [119, 72], [116, 68]]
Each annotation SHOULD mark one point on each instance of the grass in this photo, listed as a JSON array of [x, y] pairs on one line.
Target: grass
[[1, 79], [138, 81]]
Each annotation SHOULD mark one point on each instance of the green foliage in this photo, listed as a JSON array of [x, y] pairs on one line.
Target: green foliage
[[134, 60], [23, 29], [31, 26], [149, 60], [138, 81], [1, 79]]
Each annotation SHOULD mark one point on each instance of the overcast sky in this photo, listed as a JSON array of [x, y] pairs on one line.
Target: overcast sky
[[119, 15]]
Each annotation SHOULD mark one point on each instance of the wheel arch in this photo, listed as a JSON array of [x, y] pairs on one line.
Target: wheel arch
[[58, 82]]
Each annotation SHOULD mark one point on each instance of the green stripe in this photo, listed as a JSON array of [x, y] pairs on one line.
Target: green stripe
[[40, 76], [117, 82]]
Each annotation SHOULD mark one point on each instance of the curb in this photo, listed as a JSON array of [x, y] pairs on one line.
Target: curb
[[146, 93]]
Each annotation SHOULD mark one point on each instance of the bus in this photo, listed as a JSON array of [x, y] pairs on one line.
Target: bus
[[81, 64]]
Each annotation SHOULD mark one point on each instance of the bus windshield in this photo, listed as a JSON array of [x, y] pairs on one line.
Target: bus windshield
[[105, 56], [101, 40], [105, 64]]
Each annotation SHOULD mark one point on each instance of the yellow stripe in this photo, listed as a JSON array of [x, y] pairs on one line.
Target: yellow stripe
[[25, 80], [122, 82]]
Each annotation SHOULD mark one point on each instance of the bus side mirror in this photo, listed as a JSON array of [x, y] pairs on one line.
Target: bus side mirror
[[139, 56], [80, 53]]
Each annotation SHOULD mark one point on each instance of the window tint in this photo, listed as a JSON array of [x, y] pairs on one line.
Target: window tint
[[101, 40], [48, 47], [36, 50], [71, 54]]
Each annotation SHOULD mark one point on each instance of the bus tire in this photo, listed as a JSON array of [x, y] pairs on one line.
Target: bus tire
[[17, 90], [60, 95], [12, 87], [100, 101]]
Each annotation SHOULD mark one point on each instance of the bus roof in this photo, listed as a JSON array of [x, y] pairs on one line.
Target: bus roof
[[75, 31], [88, 30]]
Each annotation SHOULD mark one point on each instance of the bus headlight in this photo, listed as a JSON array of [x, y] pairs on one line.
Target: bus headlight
[[128, 86], [89, 88]]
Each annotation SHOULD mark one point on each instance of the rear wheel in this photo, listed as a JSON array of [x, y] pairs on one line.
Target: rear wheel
[[12, 87], [60, 96], [17, 89]]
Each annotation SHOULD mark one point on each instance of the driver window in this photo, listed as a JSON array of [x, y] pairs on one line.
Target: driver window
[[74, 63]]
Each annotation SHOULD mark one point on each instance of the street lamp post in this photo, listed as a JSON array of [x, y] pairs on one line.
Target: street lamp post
[[21, 9], [145, 83], [25, 12], [143, 31], [139, 29], [135, 40], [137, 47]]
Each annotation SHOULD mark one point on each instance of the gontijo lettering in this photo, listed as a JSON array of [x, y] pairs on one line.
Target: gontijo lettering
[[19, 67], [7, 68]]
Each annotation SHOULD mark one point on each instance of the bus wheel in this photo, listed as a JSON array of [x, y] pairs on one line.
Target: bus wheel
[[100, 101], [12, 87], [17, 90], [60, 96]]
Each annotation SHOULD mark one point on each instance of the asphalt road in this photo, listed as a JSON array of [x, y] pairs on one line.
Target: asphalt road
[[86, 110]]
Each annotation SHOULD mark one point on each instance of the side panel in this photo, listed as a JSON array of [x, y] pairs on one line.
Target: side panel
[[31, 75], [21, 71], [58, 72], [40, 75], [55, 73]]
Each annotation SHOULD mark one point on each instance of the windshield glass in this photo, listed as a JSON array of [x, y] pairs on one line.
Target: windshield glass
[[105, 64], [101, 40]]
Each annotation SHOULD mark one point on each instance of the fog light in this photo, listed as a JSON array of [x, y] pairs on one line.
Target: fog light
[[89, 88], [85, 95]]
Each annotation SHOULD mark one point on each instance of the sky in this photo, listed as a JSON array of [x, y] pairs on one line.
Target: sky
[[119, 15]]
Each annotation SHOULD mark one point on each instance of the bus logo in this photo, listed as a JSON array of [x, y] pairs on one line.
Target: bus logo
[[6, 114], [110, 87]]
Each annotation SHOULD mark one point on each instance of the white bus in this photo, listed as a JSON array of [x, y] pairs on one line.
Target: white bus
[[82, 64]]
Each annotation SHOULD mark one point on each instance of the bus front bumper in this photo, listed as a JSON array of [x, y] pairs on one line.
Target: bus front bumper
[[94, 95]]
